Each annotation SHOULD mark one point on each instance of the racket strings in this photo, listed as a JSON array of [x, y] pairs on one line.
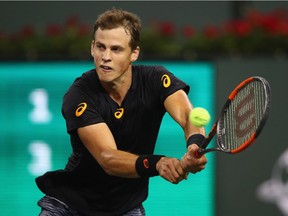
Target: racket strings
[[243, 116]]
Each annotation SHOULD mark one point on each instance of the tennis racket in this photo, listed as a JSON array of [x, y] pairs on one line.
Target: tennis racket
[[242, 118]]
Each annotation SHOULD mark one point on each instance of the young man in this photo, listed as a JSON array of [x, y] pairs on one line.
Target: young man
[[113, 115]]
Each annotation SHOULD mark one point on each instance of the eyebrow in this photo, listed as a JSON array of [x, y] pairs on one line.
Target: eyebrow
[[117, 47], [99, 43], [112, 47]]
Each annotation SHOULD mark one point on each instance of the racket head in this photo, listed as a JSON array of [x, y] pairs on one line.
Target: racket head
[[244, 115]]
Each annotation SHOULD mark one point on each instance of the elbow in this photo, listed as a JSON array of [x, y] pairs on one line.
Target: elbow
[[106, 162]]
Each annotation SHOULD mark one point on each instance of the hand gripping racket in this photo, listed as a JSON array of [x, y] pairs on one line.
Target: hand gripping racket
[[242, 117]]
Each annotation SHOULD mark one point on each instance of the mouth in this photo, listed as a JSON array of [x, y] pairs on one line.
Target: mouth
[[105, 68]]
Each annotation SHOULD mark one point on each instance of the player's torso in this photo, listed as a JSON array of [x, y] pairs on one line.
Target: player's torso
[[135, 123]]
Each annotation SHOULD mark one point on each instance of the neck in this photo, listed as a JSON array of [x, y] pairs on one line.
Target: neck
[[118, 90]]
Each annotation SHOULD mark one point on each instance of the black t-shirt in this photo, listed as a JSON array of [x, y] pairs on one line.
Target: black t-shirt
[[83, 185]]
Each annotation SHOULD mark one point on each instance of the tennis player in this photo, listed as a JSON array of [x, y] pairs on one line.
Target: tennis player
[[113, 114]]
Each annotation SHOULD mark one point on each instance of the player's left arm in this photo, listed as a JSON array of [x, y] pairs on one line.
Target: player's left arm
[[179, 107]]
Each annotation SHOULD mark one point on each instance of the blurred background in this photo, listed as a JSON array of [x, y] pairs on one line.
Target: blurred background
[[212, 45]]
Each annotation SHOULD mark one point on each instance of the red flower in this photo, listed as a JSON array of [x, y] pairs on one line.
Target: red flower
[[84, 30], [166, 28], [27, 31], [53, 30], [241, 28], [270, 24], [188, 31], [211, 32], [284, 28], [72, 21], [255, 17]]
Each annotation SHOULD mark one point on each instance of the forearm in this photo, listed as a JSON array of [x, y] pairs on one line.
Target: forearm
[[100, 143], [118, 163], [179, 108], [193, 135], [190, 130], [124, 164]]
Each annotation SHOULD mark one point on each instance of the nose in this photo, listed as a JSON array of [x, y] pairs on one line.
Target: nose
[[106, 55]]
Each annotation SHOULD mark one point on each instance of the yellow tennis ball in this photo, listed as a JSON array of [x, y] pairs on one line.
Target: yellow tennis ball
[[199, 117]]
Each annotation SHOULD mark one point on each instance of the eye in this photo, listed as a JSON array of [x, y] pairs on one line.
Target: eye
[[100, 46], [116, 49]]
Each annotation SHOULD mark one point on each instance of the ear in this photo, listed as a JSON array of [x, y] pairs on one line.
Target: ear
[[135, 54], [92, 48]]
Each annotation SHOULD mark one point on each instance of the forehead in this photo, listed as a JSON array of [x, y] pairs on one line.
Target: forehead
[[114, 36]]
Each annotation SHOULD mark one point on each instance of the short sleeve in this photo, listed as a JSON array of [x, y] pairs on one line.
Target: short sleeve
[[166, 83], [79, 110]]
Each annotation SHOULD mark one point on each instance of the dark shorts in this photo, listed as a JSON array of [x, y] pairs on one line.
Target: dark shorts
[[51, 206]]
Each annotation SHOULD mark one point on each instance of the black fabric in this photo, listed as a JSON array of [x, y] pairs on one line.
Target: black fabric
[[197, 139], [146, 165]]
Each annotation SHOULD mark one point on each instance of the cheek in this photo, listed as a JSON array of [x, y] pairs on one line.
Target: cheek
[[96, 57], [124, 64]]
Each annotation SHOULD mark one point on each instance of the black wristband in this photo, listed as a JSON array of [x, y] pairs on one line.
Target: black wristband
[[146, 165], [197, 139]]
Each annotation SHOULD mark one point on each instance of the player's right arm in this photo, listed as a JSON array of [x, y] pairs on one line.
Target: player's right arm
[[99, 141]]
